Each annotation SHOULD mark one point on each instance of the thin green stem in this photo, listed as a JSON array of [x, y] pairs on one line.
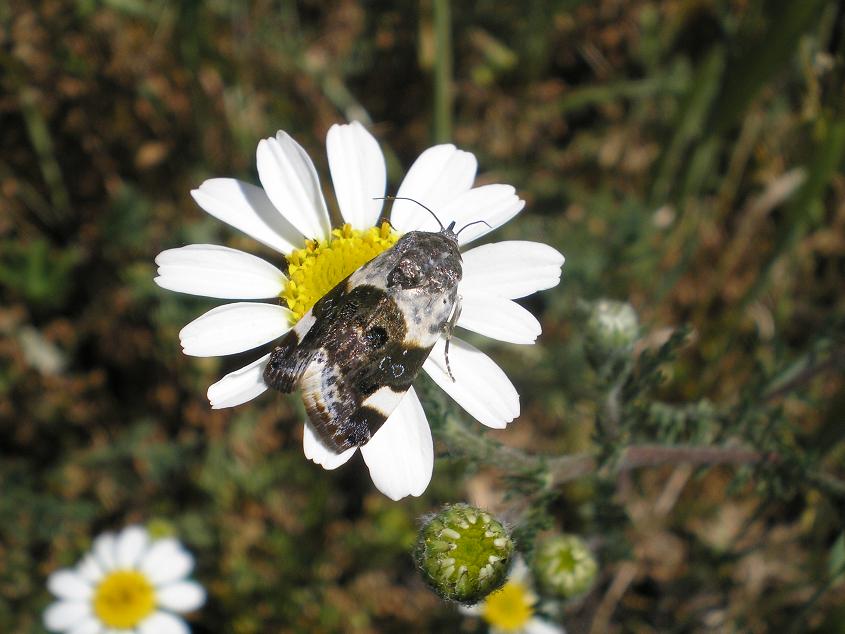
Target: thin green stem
[[442, 71]]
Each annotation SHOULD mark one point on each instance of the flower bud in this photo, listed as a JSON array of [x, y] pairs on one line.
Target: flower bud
[[464, 553], [563, 566], [612, 329]]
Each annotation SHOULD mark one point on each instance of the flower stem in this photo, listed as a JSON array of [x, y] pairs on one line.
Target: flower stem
[[557, 470], [442, 71]]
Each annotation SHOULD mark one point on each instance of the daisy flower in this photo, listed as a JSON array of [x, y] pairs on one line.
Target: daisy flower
[[290, 215], [128, 584], [511, 609]]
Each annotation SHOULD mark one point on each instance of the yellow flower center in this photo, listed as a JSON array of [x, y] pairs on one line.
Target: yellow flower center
[[123, 599], [510, 608], [316, 269]]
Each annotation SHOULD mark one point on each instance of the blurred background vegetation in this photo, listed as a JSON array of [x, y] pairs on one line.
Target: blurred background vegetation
[[685, 156]]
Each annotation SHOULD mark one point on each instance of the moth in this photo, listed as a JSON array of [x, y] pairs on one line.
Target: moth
[[357, 351]]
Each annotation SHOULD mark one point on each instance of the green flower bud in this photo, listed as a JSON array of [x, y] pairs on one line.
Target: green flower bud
[[612, 329], [563, 566], [464, 553]]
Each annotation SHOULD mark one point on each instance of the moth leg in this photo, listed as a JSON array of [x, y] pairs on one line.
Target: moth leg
[[449, 328]]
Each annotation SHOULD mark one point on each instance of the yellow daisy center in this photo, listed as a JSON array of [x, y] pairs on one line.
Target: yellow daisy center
[[316, 269], [123, 599], [510, 608]]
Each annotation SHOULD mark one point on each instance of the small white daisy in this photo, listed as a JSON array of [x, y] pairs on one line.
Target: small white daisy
[[511, 608], [290, 215], [128, 584]]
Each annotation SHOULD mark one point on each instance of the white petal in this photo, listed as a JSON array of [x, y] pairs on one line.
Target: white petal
[[358, 173], [539, 626], [291, 182], [317, 451], [216, 271], [183, 596], [493, 204], [63, 615], [498, 317], [471, 610], [480, 386], [438, 176], [69, 584], [239, 386], [248, 209], [512, 269], [233, 328], [104, 550], [163, 623], [401, 455], [166, 561], [520, 572], [130, 545], [90, 625], [89, 569]]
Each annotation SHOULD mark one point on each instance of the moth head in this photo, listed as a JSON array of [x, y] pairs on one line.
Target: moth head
[[427, 261]]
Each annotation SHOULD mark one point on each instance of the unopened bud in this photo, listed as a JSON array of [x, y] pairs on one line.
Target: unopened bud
[[464, 553], [612, 329], [563, 566]]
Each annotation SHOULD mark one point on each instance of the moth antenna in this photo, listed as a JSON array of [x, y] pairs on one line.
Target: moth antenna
[[449, 328], [413, 201], [474, 222]]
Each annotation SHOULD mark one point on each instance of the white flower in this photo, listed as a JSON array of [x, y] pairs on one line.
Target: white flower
[[128, 584], [290, 215], [511, 608]]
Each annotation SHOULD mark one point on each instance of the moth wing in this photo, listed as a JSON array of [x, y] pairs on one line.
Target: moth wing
[[348, 408], [290, 358], [361, 365]]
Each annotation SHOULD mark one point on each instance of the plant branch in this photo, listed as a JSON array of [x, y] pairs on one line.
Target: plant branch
[[812, 368], [559, 470]]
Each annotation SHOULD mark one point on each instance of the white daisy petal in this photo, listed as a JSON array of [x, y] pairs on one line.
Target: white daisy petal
[[89, 569], [63, 615], [291, 182], [104, 551], [69, 584], [182, 596], [400, 455], [498, 318], [233, 328], [317, 451], [471, 610], [239, 386], [215, 271], [520, 572], [358, 173], [439, 175], [130, 545], [90, 625], [247, 208], [166, 561], [539, 626], [163, 623], [494, 204], [480, 386], [511, 269]]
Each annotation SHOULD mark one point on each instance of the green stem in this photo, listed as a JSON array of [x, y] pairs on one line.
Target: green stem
[[558, 470], [442, 71]]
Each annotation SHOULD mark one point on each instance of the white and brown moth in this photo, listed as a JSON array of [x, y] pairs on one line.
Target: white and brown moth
[[357, 351]]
